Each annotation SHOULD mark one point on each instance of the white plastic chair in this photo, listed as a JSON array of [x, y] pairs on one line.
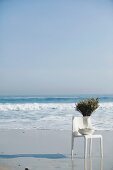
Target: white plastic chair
[[77, 123]]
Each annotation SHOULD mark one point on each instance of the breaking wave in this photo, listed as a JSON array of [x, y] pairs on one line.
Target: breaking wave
[[50, 115]]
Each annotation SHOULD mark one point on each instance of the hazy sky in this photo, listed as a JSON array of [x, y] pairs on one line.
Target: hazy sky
[[56, 47]]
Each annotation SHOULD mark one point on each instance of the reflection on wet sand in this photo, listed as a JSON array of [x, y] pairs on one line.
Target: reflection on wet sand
[[89, 164]]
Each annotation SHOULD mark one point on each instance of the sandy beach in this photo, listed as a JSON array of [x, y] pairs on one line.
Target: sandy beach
[[49, 149]]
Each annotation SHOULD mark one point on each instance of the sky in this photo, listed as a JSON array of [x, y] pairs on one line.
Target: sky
[[56, 47]]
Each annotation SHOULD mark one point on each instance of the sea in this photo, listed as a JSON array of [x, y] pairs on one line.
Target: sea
[[51, 112]]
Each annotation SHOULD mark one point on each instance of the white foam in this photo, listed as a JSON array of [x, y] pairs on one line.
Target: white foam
[[35, 106], [41, 106], [50, 116]]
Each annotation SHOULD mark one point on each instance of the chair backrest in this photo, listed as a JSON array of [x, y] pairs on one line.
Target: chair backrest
[[79, 123]]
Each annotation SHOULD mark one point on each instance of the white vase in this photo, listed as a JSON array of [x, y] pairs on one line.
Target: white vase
[[87, 126], [86, 121]]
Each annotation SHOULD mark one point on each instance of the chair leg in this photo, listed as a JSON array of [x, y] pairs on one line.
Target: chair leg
[[101, 146], [85, 147], [90, 147], [85, 164], [72, 146]]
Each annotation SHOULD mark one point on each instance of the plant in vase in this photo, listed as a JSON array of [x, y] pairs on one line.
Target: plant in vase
[[86, 108]]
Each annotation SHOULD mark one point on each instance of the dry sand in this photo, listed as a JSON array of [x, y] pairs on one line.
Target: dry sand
[[50, 150]]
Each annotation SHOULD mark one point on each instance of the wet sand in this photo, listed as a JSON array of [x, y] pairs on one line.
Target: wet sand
[[50, 149]]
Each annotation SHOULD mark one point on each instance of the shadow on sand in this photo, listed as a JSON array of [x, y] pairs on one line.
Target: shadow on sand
[[48, 156]]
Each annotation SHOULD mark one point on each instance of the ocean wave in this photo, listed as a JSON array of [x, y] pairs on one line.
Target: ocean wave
[[46, 106], [54, 99], [35, 106], [50, 116]]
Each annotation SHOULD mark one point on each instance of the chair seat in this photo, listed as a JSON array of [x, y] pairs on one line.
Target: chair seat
[[93, 136], [87, 136]]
